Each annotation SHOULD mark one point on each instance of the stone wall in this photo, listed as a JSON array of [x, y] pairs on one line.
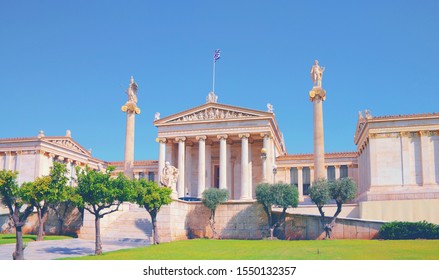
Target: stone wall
[[247, 220], [72, 224]]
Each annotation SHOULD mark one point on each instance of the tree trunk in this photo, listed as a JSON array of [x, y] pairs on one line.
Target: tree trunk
[[40, 233], [19, 248], [212, 223], [155, 233], [98, 243], [271, 232]]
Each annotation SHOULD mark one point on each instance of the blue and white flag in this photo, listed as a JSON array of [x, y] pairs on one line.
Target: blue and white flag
[[217, 54]]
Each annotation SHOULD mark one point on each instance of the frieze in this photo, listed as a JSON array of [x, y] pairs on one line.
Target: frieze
[[212, 114], [68, 144]]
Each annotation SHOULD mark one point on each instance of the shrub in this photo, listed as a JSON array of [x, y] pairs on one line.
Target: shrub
[[409, 230]]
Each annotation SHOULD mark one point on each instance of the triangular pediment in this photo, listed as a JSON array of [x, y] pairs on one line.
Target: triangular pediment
[[213, 112], [68, 143]]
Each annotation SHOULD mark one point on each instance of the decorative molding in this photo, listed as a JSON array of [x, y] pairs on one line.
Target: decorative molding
[[201, 138], [161, 140], [212, 114], [180, 139], [69, 144]]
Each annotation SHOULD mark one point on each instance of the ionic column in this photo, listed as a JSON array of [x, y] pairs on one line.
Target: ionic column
[[426, 158], [311, 174], [229, 168], [162, 153], [8, 156], [300, 182], [223, 161], [188, 168], [181, 166], [405, 153], [244, 166], [337, 172], [201, 165], [208, 163]]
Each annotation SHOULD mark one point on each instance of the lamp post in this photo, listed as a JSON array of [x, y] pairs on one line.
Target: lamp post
[[264, 164], [274, 173]]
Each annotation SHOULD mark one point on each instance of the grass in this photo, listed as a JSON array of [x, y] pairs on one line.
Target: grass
[[10, 238], [203, 249]]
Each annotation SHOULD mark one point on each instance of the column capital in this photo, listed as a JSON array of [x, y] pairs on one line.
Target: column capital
[[60, 158], [39, 152], [69, 160], [201, 138], [299, 167], [404, 134], [424, 132], [222, 136], [265, 135], [372, 135], [337, 166], [311, 167], [51, 155], [180, 139], [161, 140], [244, 135]]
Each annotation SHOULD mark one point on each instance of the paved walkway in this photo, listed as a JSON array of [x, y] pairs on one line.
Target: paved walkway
[[54, 249]]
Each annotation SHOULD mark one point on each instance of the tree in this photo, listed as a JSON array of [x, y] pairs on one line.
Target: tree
[[11, 196], [101, 195], [280, 195], [46, 192], [152, 197], [211, 199], [322, 191]]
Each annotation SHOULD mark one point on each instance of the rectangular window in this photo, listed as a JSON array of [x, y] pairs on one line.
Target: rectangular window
[[216, 176], [141, 175], [151, 176], [306, 178], [294, 176], [331, 173], [343, 171]]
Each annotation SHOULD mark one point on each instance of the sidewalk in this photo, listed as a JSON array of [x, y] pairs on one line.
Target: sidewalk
[[54, 249]]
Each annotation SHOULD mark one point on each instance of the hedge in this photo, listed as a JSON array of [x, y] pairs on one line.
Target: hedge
[[409, 230]]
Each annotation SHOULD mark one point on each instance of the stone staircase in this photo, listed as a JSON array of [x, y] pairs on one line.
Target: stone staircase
[[132, 224]]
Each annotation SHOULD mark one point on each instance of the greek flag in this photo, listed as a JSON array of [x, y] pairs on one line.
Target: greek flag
[[217, 54]]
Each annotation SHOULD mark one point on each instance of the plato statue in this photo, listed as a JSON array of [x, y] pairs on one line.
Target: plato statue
[[169, 176], [317, 74]]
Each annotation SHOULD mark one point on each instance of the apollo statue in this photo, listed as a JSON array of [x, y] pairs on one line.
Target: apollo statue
[[132, 91], [317, 74]]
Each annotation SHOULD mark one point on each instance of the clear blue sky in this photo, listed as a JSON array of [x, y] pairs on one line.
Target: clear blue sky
[[66, 64]]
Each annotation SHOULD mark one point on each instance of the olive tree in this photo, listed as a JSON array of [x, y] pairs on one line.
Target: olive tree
[[11, 197], [322, 191], [211, 199], [149, 195], [100, 195], [279, 195]]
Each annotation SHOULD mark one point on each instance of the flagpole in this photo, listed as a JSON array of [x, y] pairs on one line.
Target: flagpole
[[213, 80]]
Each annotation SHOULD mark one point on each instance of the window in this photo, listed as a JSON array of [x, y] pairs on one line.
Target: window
[[306, 177], [343, 171], [216, 176], [141, 175], [331, 173], [151, 176], [294, 176]]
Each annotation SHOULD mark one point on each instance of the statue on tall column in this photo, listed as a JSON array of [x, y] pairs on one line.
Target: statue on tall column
[[317, 74], [132, 91]]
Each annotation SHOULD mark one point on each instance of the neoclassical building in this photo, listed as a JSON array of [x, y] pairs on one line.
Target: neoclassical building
[[214, 145]]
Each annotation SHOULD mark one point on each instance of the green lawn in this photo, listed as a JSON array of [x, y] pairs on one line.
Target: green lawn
[[203, 249], [10, 238]]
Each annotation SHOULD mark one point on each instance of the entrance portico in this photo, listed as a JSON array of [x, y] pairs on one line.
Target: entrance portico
[[220, 146]]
